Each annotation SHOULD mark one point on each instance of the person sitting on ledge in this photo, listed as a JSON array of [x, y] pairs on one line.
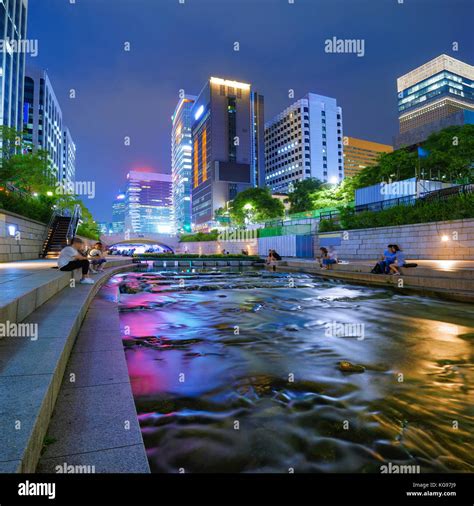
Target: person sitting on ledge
[[399, 261], [388, 257], [70, 259], [327, 258], [96, 258]]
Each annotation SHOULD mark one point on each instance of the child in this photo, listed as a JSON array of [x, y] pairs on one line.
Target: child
[[70, 259], [96, 257]]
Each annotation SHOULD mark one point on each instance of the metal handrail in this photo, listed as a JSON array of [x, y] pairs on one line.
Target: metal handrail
[[73, 224], [54, 214]]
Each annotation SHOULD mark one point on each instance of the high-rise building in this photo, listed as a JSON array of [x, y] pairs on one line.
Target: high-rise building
[[13, 21], [43, 117], [181, 162], [434, 96], [227, 155], [304, 141], [68, 165], [149, 203], [359, 154], [118, 213]]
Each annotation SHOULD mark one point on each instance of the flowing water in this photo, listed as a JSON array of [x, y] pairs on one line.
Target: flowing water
[[240, 372]]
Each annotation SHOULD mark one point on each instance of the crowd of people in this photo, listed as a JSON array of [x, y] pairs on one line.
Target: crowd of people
[[78, 256]]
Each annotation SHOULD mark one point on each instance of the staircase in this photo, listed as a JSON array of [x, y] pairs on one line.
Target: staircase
[[61, 230], [57, 237]]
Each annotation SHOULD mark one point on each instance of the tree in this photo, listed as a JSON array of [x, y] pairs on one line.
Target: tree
[[255, 204], [23, 168], [299, 198]]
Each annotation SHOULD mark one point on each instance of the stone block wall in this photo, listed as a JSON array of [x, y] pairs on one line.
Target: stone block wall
[[26, 241], [444, 240]]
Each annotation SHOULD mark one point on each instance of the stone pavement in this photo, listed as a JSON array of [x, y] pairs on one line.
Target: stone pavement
[[32, 366], [95, 424]]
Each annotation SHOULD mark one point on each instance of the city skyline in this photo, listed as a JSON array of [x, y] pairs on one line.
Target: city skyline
[[139, 98]]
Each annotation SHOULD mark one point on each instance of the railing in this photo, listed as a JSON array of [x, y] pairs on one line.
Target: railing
[[443, 194], [407, 200], [49, 232], [446, 193], [74, 223]]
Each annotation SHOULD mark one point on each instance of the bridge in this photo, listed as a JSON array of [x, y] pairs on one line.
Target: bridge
[[165, 240]]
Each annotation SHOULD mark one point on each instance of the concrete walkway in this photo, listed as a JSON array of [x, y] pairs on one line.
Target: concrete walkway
[[32, 366], [95, 424]]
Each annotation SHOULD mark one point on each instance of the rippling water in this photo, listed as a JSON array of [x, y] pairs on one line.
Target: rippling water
[[239, 372]]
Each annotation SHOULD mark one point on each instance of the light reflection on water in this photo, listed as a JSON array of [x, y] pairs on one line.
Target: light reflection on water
[[251, 348]]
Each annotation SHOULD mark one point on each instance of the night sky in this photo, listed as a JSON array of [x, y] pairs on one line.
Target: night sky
[[176, 46]]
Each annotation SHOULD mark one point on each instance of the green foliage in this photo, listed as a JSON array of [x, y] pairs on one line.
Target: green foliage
[[450, 158], [89, 231], [454, 208], [328, 226], [254, 205], [30, 173], [330, 195], [37, 208], [300, 197], [200, 236], [24, 169]]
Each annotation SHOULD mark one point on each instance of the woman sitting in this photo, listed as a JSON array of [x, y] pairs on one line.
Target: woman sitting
[[327, 258]]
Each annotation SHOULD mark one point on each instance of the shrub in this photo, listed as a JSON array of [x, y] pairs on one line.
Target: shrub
[[200, 236], [36, 208], [454, 208]]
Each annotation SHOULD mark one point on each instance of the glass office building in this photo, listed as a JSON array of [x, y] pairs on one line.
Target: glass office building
[[432, 97], [181, 163], [149, 203], [118, 214], [304, 141], [44, 124], [13, 23], [228, 153], [68, 165]]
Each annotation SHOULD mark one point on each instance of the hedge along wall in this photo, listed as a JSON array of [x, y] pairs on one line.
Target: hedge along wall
[[420, 241], [216, 247]]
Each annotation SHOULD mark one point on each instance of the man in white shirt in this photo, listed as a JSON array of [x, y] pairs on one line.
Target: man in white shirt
[[70, 259]]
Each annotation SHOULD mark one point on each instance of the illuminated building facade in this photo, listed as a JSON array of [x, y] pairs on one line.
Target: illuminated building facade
[[359, 154], [118, 214], [434, 96], [149, 203], [181, 163], [228, 154], [13, 22], [44, 127], [304, 141], [68, 166]]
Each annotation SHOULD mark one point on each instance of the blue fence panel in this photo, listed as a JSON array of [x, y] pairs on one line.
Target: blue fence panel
[[304, 246]]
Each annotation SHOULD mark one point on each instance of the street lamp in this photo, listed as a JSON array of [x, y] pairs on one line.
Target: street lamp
[[248, 208]]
